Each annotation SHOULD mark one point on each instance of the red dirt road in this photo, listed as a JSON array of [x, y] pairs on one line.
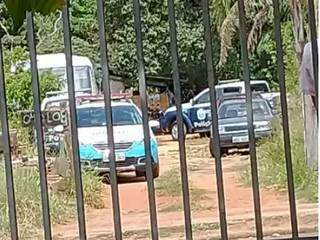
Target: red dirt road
[[204, 207]]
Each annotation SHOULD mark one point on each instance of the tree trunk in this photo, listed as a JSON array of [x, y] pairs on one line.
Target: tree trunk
[[298, 27]]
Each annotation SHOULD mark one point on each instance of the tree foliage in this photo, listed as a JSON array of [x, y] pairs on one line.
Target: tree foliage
[[18, 8], [121, 37], [18, 90]]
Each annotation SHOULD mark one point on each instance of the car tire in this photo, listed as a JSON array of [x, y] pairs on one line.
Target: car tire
[[155, 172], [174, 130], [223, 151]]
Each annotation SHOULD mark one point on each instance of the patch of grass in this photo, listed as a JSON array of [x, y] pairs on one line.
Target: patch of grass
[[271, 158], [199, 227], [92, 189], [164, 232], [169, 184], [28, 204], [28, 201]]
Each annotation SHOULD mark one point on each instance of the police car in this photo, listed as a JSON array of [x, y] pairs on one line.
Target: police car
[[197, 113], [128, 138]]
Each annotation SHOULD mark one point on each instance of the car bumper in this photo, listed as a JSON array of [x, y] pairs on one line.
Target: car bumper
[[129, 165], [227, 140]]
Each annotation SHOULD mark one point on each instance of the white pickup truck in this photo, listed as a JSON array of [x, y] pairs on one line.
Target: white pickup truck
[[257, 86]]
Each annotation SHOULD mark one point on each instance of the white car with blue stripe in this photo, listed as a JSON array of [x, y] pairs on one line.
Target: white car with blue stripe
[[128, 138]]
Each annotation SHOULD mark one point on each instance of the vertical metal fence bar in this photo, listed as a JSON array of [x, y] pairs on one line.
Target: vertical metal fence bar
[[181, 135], [314, 46], [215, 130], [252, 142], [38, 127], [109, 120], [7, 153], [73, 123], [285, 121], [145, 118]]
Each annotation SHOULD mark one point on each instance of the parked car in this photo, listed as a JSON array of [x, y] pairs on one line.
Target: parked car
[[233, 126], [196, 113], [128, 137]]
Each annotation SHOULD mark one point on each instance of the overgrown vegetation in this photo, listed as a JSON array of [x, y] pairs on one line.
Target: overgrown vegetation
[[271, 157], [18, 82], [28, 201]]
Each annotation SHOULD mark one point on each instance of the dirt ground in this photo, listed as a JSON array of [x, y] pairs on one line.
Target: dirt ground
[[204, 205]]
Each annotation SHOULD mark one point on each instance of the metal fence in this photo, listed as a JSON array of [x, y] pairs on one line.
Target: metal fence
[[142, 90]]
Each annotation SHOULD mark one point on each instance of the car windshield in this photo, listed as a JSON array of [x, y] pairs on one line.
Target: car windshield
[[81, 76], [95, 116], [235, 109]]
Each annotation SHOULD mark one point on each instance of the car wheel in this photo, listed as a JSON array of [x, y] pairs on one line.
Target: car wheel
[[156, 171], [174, 131], [223, 151]]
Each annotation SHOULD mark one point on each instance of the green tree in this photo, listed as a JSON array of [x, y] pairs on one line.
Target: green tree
[[18, 90]]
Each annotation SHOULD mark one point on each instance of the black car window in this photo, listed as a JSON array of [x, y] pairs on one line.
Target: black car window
[[229, 90], [259, 87]]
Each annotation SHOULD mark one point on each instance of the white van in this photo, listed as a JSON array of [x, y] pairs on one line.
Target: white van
[[82, 67], [55, 63]]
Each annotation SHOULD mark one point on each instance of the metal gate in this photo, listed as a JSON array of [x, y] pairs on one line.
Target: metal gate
[[142, 90]]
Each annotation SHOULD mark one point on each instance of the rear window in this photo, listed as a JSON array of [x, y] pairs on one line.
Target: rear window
[[231, 90], [234, 109], [259, 87]]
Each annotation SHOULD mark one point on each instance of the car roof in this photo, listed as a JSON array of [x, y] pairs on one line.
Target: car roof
[[101, 104], [230, 84], [59, 60], [240, 83]]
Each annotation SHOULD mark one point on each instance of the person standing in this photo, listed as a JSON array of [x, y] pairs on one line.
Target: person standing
[[307, 86]]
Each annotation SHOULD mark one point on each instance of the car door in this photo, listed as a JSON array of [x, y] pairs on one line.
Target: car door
[[200, 114]]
